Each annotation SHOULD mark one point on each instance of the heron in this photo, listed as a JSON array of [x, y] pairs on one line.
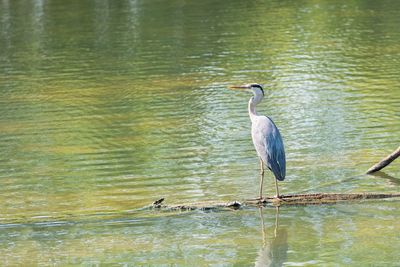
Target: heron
[[266, 137]]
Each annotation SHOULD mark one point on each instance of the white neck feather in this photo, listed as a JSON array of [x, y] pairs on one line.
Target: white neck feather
[[252, 105]]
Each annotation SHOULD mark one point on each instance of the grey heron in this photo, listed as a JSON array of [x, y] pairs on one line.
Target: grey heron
[[266, 137]]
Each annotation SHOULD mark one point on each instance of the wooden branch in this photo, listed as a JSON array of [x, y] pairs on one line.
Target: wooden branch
[[296, 199], [384, 162]]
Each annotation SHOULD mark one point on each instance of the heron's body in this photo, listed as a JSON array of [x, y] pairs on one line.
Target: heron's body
[[267, 139], [269, 145]]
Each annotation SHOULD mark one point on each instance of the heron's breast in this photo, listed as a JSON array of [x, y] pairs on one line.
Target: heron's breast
[[262, 126]]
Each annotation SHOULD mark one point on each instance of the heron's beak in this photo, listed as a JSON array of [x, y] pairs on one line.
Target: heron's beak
[[239, 87]]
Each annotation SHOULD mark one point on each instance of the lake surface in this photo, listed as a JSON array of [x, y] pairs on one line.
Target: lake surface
[[106, 106]]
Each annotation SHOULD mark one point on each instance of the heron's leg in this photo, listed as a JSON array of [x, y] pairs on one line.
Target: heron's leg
[[262, 177], [276, 187], [261, 167]]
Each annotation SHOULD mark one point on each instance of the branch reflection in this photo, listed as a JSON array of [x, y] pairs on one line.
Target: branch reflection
[[392, 180]]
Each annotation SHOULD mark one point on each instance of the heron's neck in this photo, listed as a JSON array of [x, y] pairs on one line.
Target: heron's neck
[[252, 106]]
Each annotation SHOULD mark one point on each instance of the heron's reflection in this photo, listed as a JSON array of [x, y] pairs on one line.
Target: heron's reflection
[[273, 251]]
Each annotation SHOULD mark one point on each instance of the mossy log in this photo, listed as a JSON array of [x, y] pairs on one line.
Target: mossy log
[[296, 199]]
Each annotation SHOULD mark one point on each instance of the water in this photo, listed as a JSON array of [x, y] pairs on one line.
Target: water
[[107, 106]]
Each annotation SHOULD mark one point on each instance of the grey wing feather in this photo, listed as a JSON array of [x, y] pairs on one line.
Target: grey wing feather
[[269, 145], [276, 154]]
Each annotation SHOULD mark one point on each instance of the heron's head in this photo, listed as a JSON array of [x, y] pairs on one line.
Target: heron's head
[[255, 87]]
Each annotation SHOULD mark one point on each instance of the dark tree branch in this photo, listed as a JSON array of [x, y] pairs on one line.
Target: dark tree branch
[[384, 162]]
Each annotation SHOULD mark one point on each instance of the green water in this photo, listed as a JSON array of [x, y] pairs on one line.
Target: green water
[[106, 106]]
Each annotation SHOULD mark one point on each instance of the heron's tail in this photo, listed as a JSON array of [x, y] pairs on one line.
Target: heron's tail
[[279, 171], [279, 177]]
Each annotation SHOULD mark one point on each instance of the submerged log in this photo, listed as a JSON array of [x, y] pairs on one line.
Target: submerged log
[[384, 162], [325, 198], [296, 199], [207, 205]]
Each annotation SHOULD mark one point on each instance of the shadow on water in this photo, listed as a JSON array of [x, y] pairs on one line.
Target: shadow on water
[[274, 251], [387, 177]]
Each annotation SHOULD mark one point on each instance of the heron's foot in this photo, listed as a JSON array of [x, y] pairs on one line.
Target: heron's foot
[[277, 196], [260, 199]]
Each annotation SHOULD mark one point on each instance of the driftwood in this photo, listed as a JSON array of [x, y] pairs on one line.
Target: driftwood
[[296, 199], [384, 162]]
